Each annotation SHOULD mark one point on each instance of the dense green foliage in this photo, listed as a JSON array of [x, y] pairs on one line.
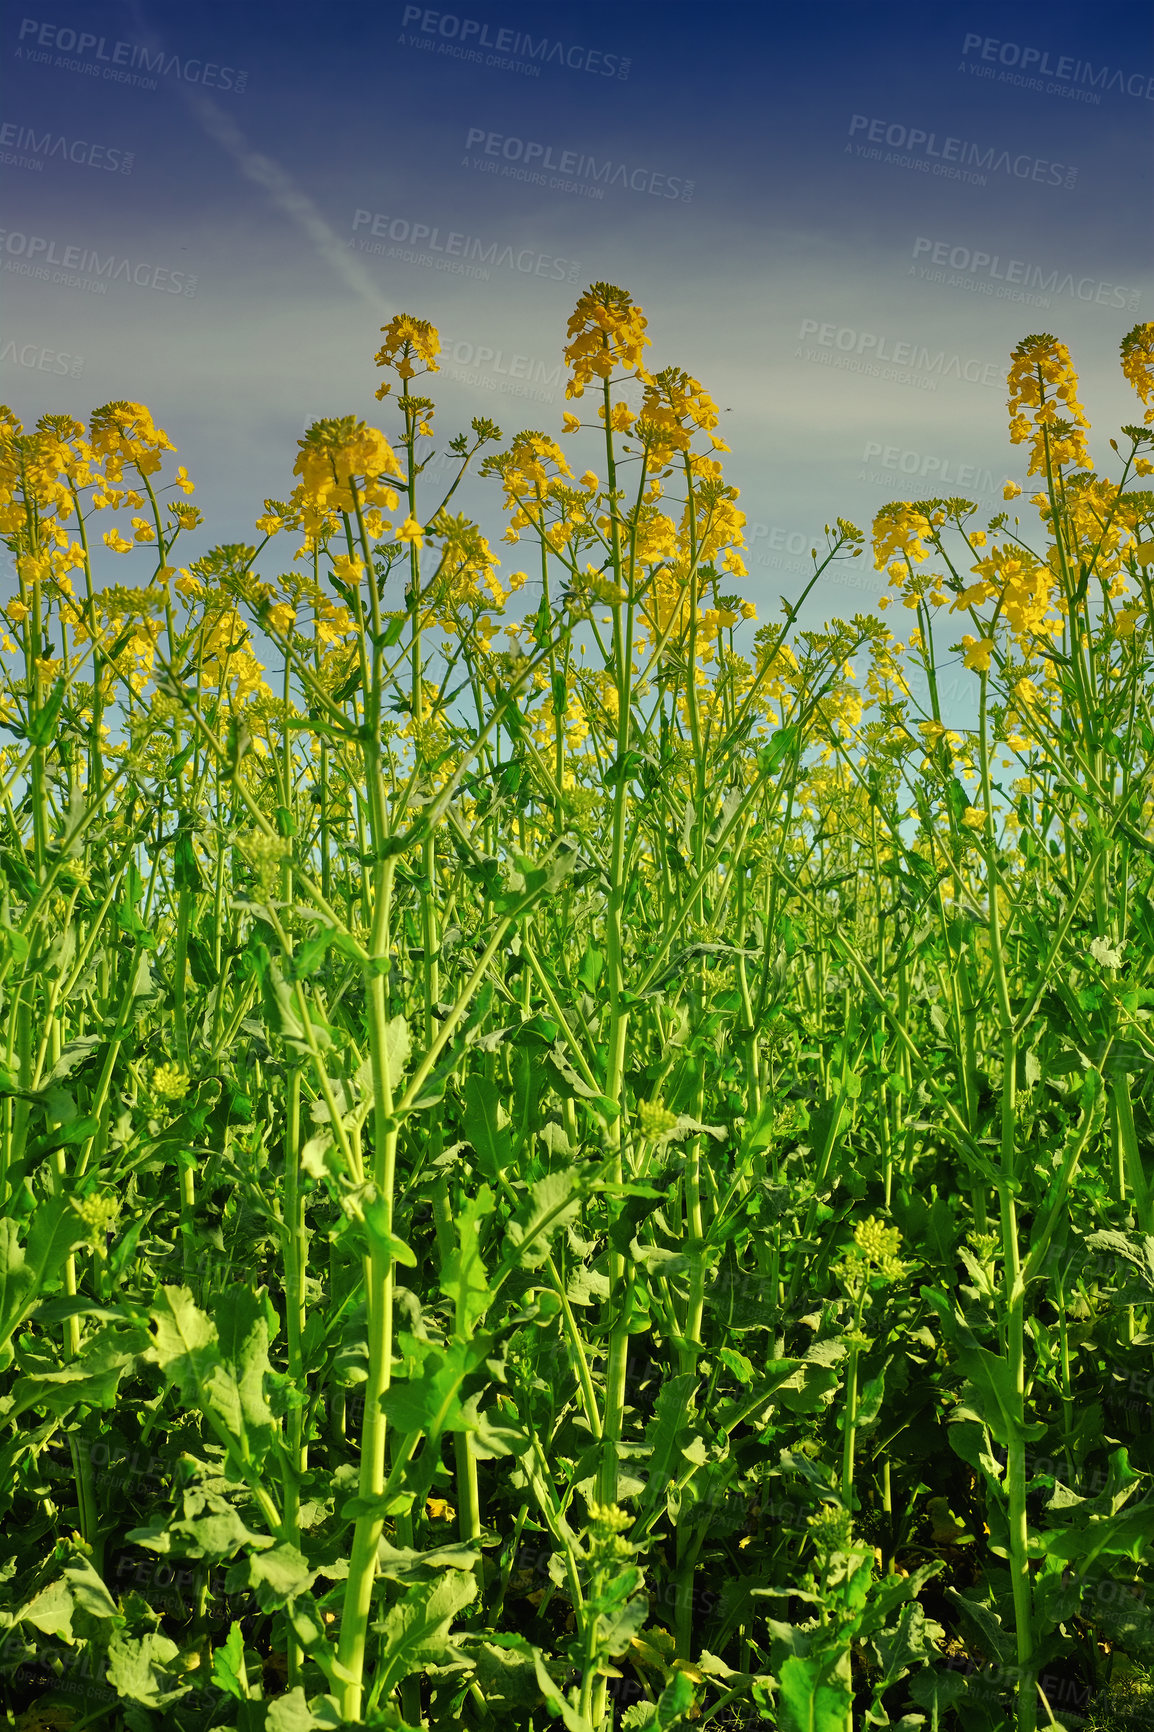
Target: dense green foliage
[[525, 1199]]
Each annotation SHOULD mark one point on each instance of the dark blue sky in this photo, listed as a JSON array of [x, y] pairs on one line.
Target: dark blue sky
[[840, 218]]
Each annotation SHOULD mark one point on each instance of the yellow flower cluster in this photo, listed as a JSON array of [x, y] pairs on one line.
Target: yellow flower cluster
[[1042, 378], [99, 1213], [655, 1120], [124, 433], [714, 525], [340, 456], [899, 532], [1138, 364], [1026, 589], [170, 1082], [606, 332], [673, 409], [531, 473], [466, 577], [407, 339], [878, 1245]]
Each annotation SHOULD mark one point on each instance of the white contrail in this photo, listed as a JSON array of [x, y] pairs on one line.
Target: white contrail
[[279, 186]]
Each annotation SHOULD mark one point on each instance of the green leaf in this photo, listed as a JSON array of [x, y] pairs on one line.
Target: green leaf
[[554, 1201], [416, 1632], [428, 1402], [555, 1702], [482, 1127], [41, 725], [278, 1575], [221, 1374], [402, 1564], [186, 871], [140, 1669], [778, 746], [397, 1048], [674, 1703], [291, 1713], [463, 1276], [228, 1667], [26, 1270], [808, 1702]]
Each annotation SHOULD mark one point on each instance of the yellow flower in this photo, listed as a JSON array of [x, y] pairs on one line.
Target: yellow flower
[[977, 652], [144, 531], [182, 481], [407, 338], [590, 481], [1138, 366], [570, 422], [974, 818], [655, 1120], [410, 530], [1011, 490], [879, 1246], [116, 542], [621, 417], [282, 618], [17, 611], [100, 1214], [1042, 378], [347, 569], [606, 331], [170, 1082]]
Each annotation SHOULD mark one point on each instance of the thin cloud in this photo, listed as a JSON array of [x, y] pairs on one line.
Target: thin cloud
[[281, 190]]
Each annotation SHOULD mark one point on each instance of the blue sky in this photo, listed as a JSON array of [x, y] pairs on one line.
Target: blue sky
[[840, 218]]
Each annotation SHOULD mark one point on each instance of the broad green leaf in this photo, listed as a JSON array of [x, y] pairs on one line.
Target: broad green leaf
[[402, 1564], [278, 1575], [140, 1669], [555, 1702], [42, 724], [25, 1270], [92, 1380], [662, 1436], [996, 1641], [463, 1277], [554, 1201], [428, 1402], [481, 1123], [221, 1374], [291, 1713], [809, 1702], [228, 1665], [674, 1703], [416, 1632], [398, 1046]]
